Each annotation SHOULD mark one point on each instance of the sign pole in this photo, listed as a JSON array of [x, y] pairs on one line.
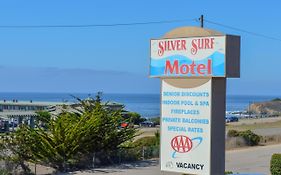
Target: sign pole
[[201, 19], [218, 126]]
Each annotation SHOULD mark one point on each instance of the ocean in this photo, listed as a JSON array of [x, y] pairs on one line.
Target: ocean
[[148, 105]]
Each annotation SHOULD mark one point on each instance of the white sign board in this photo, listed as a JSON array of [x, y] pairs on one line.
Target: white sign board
[[186, 126], [188, 57]]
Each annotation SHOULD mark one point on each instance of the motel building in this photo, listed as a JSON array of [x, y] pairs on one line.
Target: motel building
[[13, 113], [16, 112]]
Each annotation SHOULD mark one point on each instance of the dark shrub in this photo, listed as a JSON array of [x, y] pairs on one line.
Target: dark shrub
[[134, 118], [251, 138], [156, 120], [275, 164], [276, 99], [232, 133]]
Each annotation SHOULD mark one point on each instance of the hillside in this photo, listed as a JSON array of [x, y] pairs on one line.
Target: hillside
[[270, 107]]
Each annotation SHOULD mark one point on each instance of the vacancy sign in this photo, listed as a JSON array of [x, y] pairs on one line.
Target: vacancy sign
[[185, 126]]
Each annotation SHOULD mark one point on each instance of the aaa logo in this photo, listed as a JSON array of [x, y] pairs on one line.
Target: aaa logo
[[184, 144], [181, 144]]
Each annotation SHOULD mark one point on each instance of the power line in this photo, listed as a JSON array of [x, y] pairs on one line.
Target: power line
[[242, 30], [136, 24], [96, 25]]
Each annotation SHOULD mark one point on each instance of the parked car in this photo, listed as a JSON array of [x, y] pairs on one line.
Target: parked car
[[231, 119], [124, 125], [227, 120], [147, 124], [4, 126], [13, 124]]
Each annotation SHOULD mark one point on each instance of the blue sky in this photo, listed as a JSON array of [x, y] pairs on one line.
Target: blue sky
[[116, 59]]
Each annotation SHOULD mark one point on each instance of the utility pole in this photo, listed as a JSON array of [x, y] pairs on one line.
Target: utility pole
[[249, 110], [201, 19]]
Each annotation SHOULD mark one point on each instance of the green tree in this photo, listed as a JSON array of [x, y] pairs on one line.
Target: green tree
[[15, 149], [156, 120], [74, 136], [134, 118], [43, 116]]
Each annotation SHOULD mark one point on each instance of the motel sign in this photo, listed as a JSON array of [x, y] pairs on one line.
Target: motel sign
[[193, 64]]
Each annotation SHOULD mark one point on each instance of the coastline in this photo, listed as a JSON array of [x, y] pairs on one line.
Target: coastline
[[148, 105]]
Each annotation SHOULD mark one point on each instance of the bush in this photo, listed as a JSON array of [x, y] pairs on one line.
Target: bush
[[275, 164], [276, 99], [4, 172], [228, 172], [232, 133], [251, 138], [134, 118], [156, 120]]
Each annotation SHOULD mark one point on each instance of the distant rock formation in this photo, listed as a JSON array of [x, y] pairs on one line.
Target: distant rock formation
[[267, 108]]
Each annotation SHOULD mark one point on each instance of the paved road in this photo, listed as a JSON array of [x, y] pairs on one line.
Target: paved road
[[250, 160]]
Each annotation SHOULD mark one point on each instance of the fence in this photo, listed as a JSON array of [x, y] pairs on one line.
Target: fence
[[125, 155]]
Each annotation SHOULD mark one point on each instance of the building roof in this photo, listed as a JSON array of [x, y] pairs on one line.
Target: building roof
[[17, 113], [31, 103]]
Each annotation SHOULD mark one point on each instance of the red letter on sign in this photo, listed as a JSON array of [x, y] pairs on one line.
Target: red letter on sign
[[201, 67], [172, 68], [160, 49], [209, 67]]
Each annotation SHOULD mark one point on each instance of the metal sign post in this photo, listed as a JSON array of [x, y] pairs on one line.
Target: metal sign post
[[193, 64]]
